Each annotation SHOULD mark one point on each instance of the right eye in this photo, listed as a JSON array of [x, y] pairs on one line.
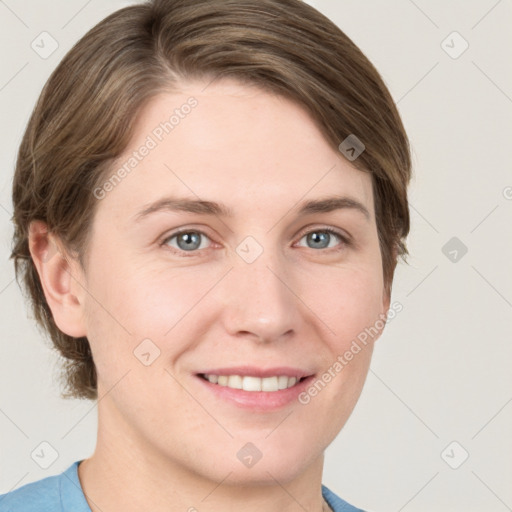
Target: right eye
[[184, 241]]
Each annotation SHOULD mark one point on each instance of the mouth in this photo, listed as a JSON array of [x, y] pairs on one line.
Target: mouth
[[256, 389], [253, 383]]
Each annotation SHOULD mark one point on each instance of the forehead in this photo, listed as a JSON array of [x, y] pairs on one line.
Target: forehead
[[234, 144]]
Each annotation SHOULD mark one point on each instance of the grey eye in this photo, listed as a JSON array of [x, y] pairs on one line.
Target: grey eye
[[186, 240], [322, 238]]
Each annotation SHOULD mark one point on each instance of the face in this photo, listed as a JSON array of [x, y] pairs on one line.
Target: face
[[262, 292]]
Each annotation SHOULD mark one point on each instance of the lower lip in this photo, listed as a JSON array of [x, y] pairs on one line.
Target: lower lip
[[258, 400]]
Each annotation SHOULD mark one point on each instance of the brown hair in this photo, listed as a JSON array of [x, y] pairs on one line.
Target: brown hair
[[86, 113]]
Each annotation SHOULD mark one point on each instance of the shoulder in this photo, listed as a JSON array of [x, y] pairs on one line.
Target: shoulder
[[50, 494], [58, 492], [336, 503], [41, 495]]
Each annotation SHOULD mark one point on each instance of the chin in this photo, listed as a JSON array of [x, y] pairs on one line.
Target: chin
[[266, 473], [274, 464], [281, 462]]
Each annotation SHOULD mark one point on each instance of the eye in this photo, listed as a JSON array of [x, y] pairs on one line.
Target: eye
[[320, 238], [190, 241], [186, 240]]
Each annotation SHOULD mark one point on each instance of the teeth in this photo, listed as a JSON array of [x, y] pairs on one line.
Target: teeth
[[282, 382], [269, 384], [249, 383], [235, 382]]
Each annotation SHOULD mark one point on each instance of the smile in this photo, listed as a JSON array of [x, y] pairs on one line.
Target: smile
[[252, 383]]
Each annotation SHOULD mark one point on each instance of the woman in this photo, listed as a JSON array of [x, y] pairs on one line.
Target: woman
[[209, 203]]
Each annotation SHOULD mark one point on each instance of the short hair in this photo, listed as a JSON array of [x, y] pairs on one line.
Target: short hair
[[87, 110]]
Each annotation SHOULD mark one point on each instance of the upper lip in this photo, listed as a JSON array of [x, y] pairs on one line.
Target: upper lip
[[254, 371]]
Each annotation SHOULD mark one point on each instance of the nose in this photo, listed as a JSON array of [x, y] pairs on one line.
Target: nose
[[258, 300]]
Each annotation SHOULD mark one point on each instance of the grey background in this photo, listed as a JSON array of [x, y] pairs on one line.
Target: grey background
[[441, 370]]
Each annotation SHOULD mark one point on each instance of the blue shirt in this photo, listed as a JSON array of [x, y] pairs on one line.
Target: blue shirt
[[63, 493]]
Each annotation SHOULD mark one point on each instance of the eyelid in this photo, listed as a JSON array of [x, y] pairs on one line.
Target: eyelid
[[346, 237]]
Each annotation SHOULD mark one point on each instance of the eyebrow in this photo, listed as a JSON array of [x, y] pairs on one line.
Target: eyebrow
[[326, 205]]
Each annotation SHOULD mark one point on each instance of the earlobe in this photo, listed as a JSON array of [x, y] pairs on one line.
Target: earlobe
[[60, 277]]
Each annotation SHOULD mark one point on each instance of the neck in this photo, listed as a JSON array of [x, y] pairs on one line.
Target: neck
[[125, 474]]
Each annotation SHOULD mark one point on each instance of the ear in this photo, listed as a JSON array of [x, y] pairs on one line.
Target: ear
[[386, 299], [61, 277], [386, 291]]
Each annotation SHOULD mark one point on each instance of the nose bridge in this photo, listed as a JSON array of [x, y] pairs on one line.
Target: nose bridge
[[258, 300]]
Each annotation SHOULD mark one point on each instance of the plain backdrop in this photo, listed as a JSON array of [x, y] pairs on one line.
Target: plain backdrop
[[432, 430]]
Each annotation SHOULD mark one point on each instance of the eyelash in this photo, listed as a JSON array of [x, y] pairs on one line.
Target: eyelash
[[346, 242]]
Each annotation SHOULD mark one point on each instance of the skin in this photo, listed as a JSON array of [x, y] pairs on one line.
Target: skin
[[162, 437]]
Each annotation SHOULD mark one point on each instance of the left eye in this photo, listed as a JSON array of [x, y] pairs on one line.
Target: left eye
[[190, 241], [319, 237]]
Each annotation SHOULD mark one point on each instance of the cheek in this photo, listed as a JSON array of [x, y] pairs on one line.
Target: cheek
[[349, 307], [128, 303], [348, 301]]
